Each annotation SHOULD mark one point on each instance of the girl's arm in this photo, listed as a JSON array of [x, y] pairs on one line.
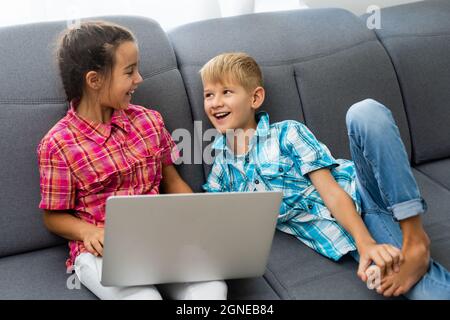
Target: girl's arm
[[68, 226], [343, 209], [172, 182]]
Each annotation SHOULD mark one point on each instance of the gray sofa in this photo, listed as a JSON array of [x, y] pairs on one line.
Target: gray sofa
[[316, 64]]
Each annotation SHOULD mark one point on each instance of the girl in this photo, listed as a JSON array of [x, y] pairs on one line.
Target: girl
[[105, 146]]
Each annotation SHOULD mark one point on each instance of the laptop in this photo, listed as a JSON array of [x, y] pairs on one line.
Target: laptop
[[154, 239]]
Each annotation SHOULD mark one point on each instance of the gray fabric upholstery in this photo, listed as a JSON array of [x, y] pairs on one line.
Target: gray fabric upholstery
[[298, 272], [417, 38], [316, 64], [22, 127], [437, 218], [39, 275], [437, 170], [334, 62]]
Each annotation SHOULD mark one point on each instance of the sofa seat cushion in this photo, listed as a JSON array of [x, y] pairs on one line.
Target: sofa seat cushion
[[39, 275], [298, 272], [438, 171], [437, 218]]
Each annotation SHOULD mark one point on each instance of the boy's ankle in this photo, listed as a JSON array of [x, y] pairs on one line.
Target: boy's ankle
[[413, 233]]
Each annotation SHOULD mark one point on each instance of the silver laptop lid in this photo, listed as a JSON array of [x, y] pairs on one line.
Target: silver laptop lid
[[153, 239]]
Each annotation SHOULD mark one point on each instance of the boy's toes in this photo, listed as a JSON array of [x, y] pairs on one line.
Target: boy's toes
[[383, 288], [399, 291], [390, 291], [386, 283]]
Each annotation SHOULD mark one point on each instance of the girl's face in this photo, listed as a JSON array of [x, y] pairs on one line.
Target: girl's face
[[124, 78]]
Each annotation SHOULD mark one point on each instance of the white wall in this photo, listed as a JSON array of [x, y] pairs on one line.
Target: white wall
[[169, 13], [358, 7]]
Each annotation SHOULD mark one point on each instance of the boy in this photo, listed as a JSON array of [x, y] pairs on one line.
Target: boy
[[323, 197]]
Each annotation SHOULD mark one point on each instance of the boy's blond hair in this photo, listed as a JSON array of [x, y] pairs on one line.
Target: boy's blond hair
[[233, 67]]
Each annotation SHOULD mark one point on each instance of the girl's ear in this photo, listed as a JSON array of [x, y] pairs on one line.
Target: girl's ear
[[94, 80], [258, 97]]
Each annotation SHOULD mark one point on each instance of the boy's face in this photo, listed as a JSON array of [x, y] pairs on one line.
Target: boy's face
[[230, 106]]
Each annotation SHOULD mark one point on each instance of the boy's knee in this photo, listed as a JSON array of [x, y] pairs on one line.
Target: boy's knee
[[366, 113]]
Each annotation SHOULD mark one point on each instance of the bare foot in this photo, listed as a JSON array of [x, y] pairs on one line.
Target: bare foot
[[417, 258]]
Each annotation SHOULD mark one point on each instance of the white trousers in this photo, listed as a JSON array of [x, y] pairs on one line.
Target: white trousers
[[88, 269]]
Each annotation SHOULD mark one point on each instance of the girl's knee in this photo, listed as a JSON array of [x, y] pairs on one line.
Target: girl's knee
[[209, 290], [141, 293]]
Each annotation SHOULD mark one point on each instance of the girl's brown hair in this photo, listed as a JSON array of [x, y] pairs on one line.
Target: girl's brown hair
[[89, 47]]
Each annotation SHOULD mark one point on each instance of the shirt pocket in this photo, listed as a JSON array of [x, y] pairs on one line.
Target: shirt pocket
[[151, 167], [276, 174], [101, 181]]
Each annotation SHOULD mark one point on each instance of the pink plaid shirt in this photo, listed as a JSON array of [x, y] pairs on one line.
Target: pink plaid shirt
[[82, 163]]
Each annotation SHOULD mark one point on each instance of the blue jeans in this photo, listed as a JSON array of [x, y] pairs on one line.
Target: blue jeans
[[388, 190]]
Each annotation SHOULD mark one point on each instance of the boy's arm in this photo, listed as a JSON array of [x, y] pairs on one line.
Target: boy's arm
[[172, 182], [341, 206], [68, 226]]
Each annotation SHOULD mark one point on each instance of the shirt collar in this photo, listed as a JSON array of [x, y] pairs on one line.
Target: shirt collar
[[262, 130], [97, 131]]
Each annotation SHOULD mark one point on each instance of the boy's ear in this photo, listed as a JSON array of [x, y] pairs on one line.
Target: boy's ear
[[258, 97], [94, 80]]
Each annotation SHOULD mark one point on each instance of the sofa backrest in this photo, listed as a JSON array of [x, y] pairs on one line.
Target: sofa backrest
[[417, 37], [32, 100], [316, 64]]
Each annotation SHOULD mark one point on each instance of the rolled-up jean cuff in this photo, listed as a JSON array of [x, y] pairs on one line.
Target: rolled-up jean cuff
[[408, 209]]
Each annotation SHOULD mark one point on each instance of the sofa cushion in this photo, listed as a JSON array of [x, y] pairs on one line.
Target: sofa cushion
[[316, 64], [437, 218], [298, 272], [41, 275], [21, 223], [32, 100], [417, 38], [438, 170]]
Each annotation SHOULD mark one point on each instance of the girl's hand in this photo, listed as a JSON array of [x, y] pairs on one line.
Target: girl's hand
[[387, 257], [93, 240]]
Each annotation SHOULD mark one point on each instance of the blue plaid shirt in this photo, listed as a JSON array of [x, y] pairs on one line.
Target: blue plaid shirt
[[280, 157]]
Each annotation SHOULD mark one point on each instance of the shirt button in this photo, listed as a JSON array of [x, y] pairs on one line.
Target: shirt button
[[257, 181]]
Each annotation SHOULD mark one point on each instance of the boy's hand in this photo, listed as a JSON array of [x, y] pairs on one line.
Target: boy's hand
[[387, 257], [93, 240]]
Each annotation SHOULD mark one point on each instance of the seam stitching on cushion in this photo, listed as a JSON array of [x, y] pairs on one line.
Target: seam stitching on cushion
[[402, 95], [432, 179], [298, 60], [278, 282], [406, 35], [62, 101]]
